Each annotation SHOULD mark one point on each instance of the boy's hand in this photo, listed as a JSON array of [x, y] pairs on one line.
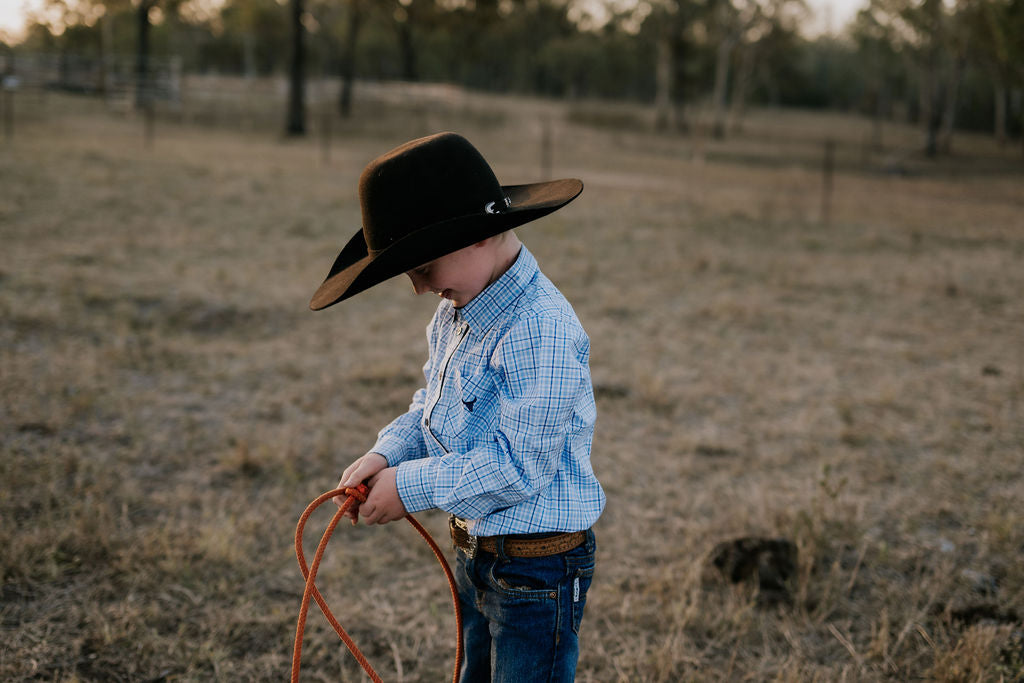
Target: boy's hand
[[383, 504], [362, 469]]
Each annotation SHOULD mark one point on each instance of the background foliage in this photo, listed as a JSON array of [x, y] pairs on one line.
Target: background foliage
[[899, 59]]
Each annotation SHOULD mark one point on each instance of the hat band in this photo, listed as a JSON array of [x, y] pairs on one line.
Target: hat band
[[490, 208]]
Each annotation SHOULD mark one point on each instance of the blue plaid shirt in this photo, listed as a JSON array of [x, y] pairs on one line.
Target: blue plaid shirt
[[501, 434]]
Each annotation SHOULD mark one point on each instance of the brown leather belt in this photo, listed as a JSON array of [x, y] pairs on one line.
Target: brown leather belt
[[513, 545]]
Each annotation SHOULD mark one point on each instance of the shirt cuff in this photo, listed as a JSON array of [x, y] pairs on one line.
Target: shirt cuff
[[415, 483], [394, 450]]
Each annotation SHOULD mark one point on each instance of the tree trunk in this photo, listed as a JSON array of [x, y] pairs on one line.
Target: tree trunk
[[296, 124], [924, 96], [63, 70], [744, 74], [664, 75], [931, 111], [722, 57], [106, 43], [142, 84], [249, 52], [999, 102], [948, 121], [679, 58], [932, 86], [348, 57], [932, 121], [406, 46]]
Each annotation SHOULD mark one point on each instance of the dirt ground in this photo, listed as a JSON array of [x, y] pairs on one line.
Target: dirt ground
[[852, 388]]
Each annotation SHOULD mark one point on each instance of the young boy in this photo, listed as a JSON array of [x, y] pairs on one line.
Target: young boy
[[500, 435]]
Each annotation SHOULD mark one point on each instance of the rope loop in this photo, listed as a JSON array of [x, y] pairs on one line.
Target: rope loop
[[354, 497], [359, 492]]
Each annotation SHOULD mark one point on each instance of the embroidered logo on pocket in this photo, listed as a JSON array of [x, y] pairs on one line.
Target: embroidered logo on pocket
[[469, 404]]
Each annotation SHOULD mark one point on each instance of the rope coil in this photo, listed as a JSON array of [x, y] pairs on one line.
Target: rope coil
[[355, 496]]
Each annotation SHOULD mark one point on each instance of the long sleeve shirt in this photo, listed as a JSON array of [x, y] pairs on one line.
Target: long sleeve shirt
[[501, 433]]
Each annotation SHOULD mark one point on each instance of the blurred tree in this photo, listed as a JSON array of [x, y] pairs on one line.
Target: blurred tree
[[742, 31], [767, 40], [613, 62], [935, 49], [296, 120], [671, 21], [142, 94], [729, 21], [937, 62], [74, 22], [244, 36], [532, 26], [247, 23], [356, 12], [956, 38], [674, 29], [348, 20], [406, 15], [878, 51], [997, 27]]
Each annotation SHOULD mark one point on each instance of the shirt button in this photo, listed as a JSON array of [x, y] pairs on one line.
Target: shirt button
[[426, 422]]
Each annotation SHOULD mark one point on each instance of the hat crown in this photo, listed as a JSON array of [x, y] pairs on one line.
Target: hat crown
[[421, 183]]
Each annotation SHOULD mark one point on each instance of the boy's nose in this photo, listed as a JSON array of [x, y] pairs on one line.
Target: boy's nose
[[418, 284]]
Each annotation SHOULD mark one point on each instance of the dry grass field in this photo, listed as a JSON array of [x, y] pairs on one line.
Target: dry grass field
[[855, 387]]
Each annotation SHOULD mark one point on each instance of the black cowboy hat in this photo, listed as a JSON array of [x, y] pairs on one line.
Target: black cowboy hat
[[427, 198]]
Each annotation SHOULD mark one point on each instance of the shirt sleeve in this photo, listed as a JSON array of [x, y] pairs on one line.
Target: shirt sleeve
[[403, 439], [541, 374]]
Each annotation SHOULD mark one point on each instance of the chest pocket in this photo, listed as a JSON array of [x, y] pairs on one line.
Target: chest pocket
[[474, 414]]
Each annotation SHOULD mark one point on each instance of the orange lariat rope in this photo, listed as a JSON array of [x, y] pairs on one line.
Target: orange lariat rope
[[356, 496]]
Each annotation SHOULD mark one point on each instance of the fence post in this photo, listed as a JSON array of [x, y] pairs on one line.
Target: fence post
[[546, 153], [8, 84], [149, 125], [826, 180], [325, 130]]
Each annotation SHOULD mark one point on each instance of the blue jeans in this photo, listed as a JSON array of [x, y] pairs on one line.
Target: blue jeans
[[521, 616]]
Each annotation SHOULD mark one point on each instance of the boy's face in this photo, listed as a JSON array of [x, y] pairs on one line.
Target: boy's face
[[458, 276]]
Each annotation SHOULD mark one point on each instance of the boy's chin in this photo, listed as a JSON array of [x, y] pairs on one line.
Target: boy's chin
[[458, 300]]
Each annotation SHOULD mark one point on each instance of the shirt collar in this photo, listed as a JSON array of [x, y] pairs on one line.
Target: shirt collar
[[486, 306]]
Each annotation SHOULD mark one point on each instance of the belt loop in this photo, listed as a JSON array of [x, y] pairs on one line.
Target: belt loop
[[499, 548]]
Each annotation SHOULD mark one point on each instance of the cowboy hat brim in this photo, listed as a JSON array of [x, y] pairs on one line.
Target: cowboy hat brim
[[356, 270]]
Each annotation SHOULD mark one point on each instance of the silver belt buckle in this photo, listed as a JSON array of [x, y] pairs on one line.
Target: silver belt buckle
[[472, 540]]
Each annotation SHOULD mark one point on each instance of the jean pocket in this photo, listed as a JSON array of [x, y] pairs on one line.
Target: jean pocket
[[532, 579], [580, 586]]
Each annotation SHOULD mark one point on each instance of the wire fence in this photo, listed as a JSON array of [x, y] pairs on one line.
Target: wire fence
[[44, 87], [115, 77], [121, 83]]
